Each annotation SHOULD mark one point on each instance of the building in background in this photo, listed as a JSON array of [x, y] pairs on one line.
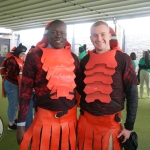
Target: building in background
[[7, 41], [133, 36]]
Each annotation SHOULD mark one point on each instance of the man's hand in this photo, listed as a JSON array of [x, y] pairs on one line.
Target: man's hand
[[126, 134], [20, 133]]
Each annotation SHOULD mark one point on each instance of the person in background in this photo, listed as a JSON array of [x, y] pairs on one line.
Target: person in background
[[52, 70], [108, 79], [11, 71], [144, 74], [31, 49], [31, 109], [82, 52], [133, 57]]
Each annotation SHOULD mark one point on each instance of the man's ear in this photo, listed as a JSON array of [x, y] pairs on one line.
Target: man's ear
[[91, 38]]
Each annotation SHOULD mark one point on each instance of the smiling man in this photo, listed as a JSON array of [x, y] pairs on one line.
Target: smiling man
[[100, 37], [52, 70], [108, 77]]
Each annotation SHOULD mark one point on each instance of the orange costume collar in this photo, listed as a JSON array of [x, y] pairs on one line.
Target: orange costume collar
[[99, 71], [59, 65]]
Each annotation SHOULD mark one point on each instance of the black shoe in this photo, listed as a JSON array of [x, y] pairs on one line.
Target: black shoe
[[12, 127], [15, 121]]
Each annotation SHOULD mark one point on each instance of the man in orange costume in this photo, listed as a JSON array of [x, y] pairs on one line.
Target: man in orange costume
[[52, 70], [108, 77]]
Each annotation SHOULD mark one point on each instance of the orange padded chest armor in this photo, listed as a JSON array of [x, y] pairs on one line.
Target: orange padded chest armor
[[98, 80], [59, 65]]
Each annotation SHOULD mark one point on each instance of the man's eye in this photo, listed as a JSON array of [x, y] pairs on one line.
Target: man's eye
[[58, 33], [54, 32], [94, 35], [62, 33]]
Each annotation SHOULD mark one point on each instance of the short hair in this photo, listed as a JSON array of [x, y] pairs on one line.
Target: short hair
[[98, 23], [32, 46], [56, 22], [133, 56]]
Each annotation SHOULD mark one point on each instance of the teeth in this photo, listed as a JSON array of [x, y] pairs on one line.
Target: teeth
[[58, 41]]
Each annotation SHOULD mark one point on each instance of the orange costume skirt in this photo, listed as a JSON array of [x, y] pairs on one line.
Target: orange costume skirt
[[98, 132], [49, 132]]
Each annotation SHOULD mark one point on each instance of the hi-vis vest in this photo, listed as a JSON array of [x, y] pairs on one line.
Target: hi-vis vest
[[3, 71]]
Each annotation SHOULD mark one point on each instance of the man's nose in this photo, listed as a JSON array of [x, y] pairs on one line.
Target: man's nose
[[58, 34], [99, 37]]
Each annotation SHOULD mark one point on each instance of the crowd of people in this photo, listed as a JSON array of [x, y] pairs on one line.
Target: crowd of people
[[51, 79], [142, 71]]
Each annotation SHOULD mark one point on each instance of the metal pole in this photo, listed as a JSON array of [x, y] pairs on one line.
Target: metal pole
[[73, 41]]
